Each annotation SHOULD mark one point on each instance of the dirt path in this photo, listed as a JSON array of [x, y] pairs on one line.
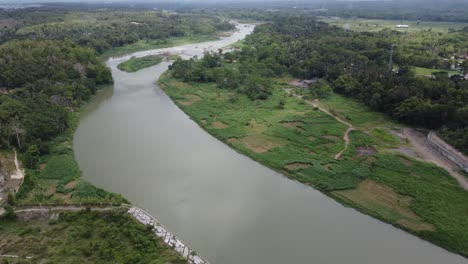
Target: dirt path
[[346, 139], [316, 104], [19, 173], [426, 153]]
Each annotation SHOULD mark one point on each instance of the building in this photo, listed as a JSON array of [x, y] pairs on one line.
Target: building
[[402, 26]]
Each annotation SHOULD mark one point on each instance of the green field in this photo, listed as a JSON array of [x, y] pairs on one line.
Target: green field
[[301, 143], [135, 64], [359, 24], [426, 71], [83, 237]]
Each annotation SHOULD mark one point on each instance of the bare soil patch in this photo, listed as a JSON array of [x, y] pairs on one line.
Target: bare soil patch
[[294, 124], [418, 226], [65, 198], [190, 99], [297, 166], [51, 190], [219, 125], [312, 138], [407, 162], [385, 201], [332, 138], [302, 83], [71, 185], [370, 160], [180, 85], [259, 143], [256, 127], [232, 140], [364, 151]]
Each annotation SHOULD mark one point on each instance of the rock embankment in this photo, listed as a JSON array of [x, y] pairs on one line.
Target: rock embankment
[[162, 232]]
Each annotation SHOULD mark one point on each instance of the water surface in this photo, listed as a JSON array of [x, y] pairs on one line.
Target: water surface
[[134, 140]]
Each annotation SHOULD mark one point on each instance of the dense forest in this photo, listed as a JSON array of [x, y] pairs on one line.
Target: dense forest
[[103, 29], [49, 64], [42, 82], [376, 68]]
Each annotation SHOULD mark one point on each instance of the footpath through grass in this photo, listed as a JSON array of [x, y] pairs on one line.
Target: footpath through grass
[[83, 237], [135, 64], [300, 142]]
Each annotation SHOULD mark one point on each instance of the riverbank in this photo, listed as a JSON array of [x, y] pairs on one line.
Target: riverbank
[[301, 143], [58, 178], [144, 45], [89, 236]]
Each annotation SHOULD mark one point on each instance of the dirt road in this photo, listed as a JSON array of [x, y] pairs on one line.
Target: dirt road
[[426, 153]]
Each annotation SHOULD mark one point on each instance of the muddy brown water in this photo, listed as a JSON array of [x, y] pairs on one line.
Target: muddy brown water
[[134, 140]]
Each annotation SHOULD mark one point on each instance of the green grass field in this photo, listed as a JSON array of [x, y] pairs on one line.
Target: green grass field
[[359, 24], [136, 64], [300, 142], [426, 71], [83, 237]]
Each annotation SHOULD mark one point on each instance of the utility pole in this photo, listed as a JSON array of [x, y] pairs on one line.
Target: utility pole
[[390, 60]]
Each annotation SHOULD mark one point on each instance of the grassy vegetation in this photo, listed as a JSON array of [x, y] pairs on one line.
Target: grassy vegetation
[[58, 178], [135, 64], [84, 237], [426, 71], [300, 142], [238, 44], [143, 45], [360, 24]]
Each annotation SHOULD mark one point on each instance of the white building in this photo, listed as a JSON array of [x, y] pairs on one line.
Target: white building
[[402, 26]]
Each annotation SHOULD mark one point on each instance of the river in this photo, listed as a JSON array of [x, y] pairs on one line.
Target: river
[[134, 140]]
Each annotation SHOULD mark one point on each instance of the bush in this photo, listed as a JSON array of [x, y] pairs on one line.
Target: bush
[[61, 167]]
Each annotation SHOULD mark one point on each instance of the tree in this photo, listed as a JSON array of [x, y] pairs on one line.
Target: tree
[[31, 157]]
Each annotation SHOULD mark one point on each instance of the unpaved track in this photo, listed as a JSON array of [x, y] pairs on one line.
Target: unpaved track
[[417, 139], [426, 153], [346, 134]]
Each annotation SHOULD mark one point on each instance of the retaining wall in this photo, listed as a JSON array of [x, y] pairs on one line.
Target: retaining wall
[[447, 151], [163, 233]]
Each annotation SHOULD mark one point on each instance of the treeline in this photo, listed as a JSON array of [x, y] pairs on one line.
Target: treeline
[[355, 64], [245, 78], [102, 30], [42, 82]]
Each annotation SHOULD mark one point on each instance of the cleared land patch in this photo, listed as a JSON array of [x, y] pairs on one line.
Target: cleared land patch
[[294, 124], [219, 125], [387, 202], [260, 143], [297, 166], [190, 99], [363, 151]]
